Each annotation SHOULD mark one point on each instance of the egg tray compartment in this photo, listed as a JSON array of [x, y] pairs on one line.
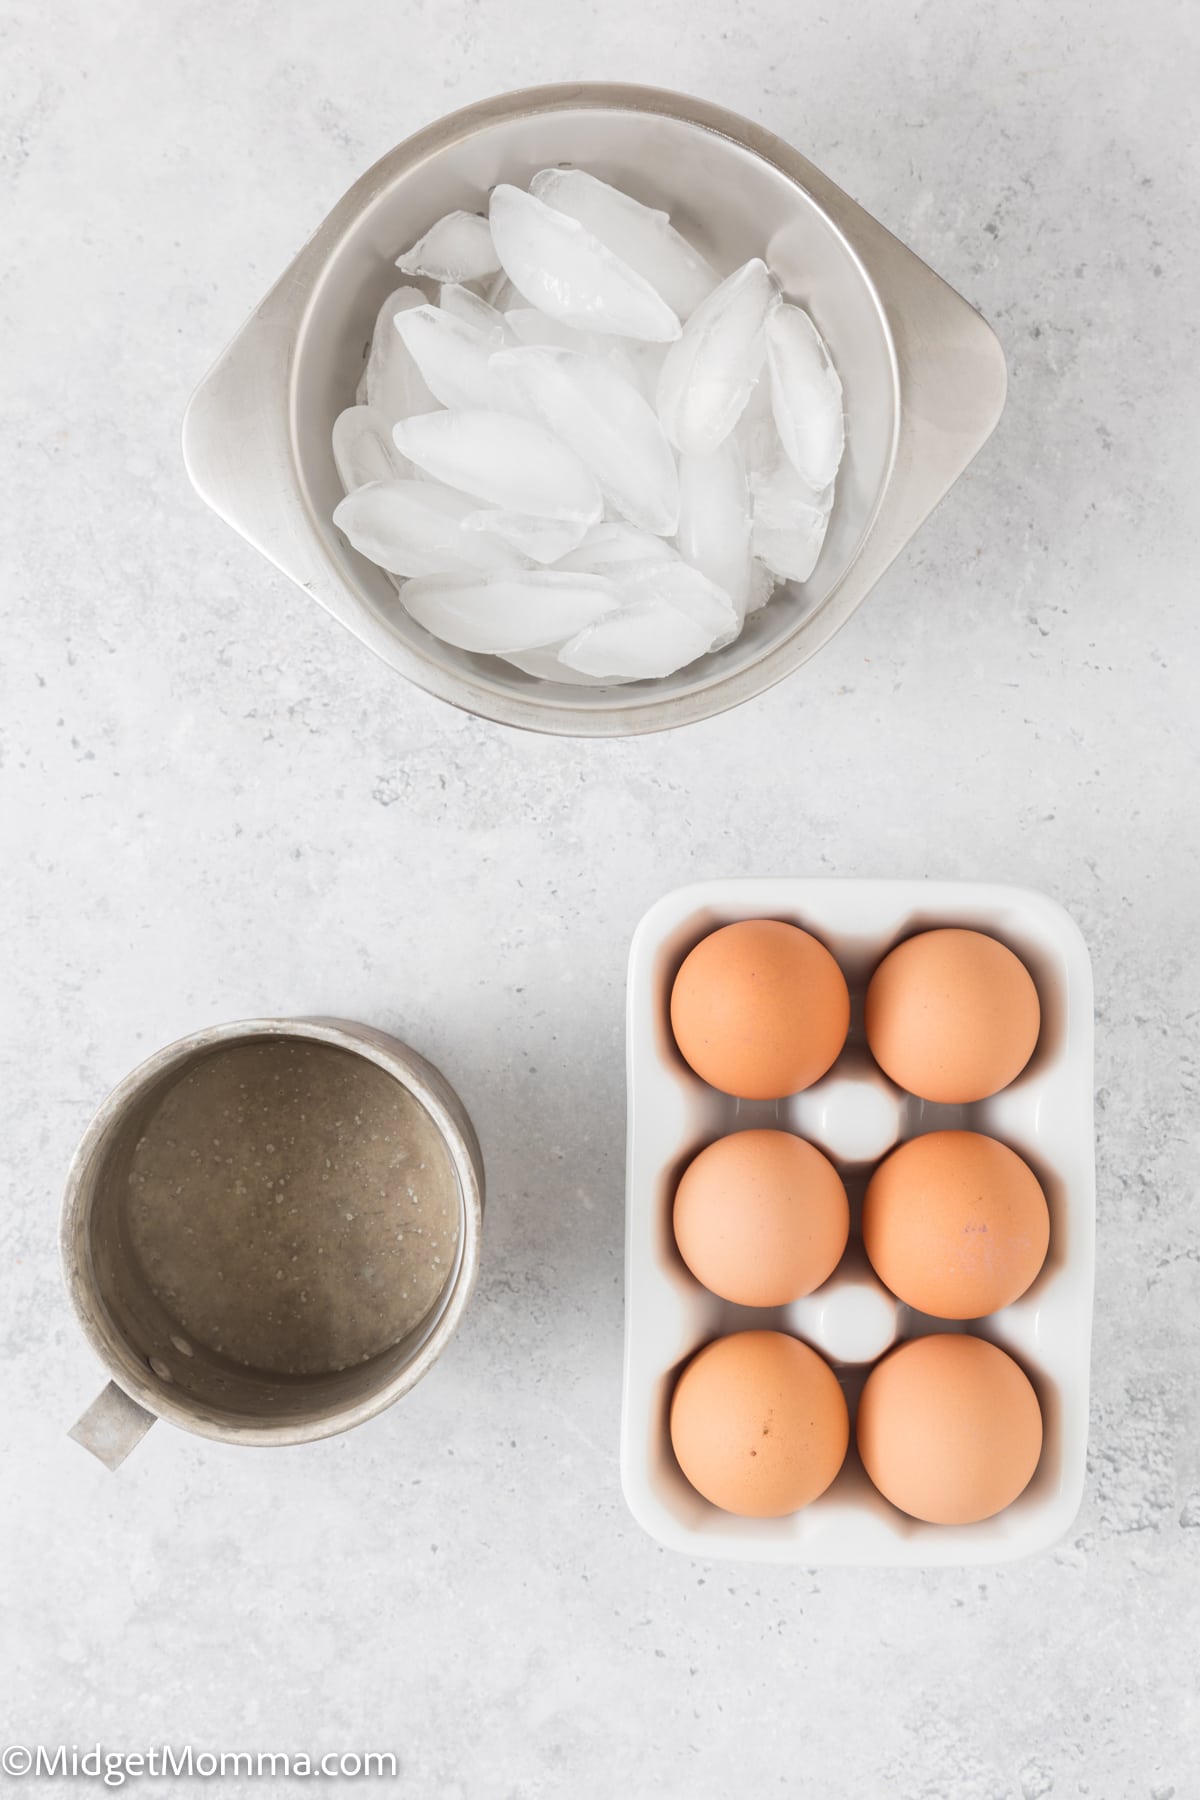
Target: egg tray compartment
[[856, 1115]]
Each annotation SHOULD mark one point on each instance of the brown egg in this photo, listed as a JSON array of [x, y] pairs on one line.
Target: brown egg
[[955, 1224], [759, 1424], [761, 1218], [949, 1429], [952, 1016], [760, 1009]]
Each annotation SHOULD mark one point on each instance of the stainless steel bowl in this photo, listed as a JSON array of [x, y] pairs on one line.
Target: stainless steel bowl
[[923, 375]]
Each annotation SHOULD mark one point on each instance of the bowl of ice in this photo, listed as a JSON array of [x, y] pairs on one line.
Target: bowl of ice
[[594, 410]]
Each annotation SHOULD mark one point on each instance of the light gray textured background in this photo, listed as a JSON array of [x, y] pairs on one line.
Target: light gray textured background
[[216, 804]]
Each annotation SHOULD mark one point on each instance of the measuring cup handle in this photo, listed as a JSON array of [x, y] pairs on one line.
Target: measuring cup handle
[[112, 1426]]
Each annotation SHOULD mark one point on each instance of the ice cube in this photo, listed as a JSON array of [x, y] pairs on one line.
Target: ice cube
[[391, 382], [784, 501], [568, 274], [417, 528], [763, 582], [792, 555], [790, 523], [458, 248], [646, 361], [639, 644], [672, 582], [542, 540], [714, 519], [709, 374], [589, 406], [605, 548], [500, 293], [806, 396], [615, 353], [638, 363], [455, 359], [529, 326], [507, 612], [363, 450], [640, 235], [546, 666], [515, 463], [647, 569], [467, 306], [757, 433]]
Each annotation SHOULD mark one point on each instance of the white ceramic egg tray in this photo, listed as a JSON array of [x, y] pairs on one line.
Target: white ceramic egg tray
[[856, 1116]]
